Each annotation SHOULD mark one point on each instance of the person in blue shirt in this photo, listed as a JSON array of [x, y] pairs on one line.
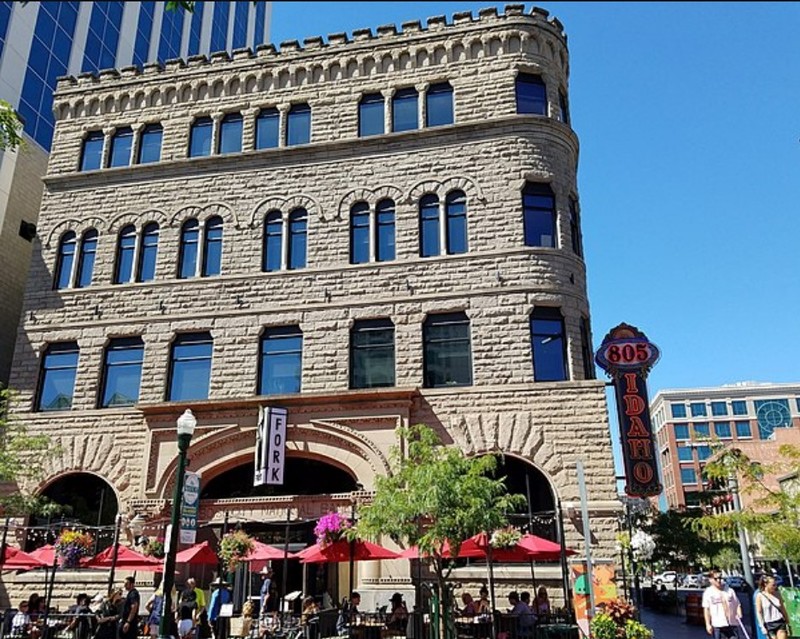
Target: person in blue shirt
[[220, 595], [266, 582]]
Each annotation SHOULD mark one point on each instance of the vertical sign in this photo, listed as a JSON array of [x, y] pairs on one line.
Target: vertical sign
[[189, 507], [627, 356], [270, 454]]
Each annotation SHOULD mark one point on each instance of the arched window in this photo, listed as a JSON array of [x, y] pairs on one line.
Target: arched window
[[456, 222], [230, 133], [200, 137], [190, 237], [439, 105], [531, 94], [267, 129], [126, 249], [86, 258], [66, 258], [429, 225], [212, 247], [148, 253], [298, 229], [273, 242], [384, 231], [539, 215], [359, 233], [549, 345], [121, 147]]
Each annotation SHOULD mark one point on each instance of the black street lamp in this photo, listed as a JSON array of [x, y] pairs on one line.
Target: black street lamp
[[186, 426]]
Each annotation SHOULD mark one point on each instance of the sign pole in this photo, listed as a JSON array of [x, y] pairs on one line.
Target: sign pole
[[587, 537]]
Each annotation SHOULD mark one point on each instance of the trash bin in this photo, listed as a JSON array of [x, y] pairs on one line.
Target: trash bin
[[694, 610]]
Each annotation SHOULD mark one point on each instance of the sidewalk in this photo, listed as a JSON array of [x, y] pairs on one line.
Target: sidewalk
[[671, 626]]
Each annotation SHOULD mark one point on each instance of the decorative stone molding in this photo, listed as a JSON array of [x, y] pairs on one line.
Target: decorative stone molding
[[285, 205]]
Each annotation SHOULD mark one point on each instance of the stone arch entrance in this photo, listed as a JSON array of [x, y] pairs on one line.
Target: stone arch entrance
[[524, 478], [87, 500]]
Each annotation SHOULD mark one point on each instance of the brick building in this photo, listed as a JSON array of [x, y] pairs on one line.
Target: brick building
[[369, 232]]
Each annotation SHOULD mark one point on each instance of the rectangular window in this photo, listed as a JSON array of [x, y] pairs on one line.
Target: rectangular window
[[150, 144], [298, 125], [57, 377], [200, 137], [439, 105], [539, 215], [281, 361], [685, 453], [219, 26], [549, 345], [267, 129], [688, 476], [703, 452], [743, 430], [678, 411], [92, 154], [698, 409], [372, 354], [405, 113], [531, 94], [370, 115], [447, 350], [723, 430], [701, 429], [563, 107], [739, 407], [230, 133], [719, 409], [681, 431], [121, 146], [122, 372], [586, 350], [190, 367]]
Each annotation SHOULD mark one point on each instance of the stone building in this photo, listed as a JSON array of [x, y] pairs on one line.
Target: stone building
[[370, 232]]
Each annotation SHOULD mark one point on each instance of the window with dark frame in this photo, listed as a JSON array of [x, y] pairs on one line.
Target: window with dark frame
[[190, 239], [57, 377], [575, 228], [539, 215], [200, 137], [122, 372], [212, 247], [273, 242], [190, 367], [372, 354], [384, 231], [370, 115], [298, 125], [230, 133], [587, 353], [66, 257], [268, 127], [439, 104], [447, 350], [531, 94], [86, 259], [429, 241], [563, 107], [121, 147], [126, 247], [298, 238], [405, 112], [359, 233], [150, 144], [92, 151], [281, 361], [549, 345], [148, 253], [455, 217]]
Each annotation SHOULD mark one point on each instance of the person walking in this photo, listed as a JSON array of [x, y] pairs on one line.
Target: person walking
[[721, 608], [770, 611], [129, 623]]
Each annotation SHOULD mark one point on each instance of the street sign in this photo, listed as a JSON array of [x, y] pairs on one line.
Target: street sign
[[189, 507], [270, 446]]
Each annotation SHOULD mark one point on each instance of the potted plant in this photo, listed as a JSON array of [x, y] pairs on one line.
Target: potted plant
[[155, 548], [234, 547], [506, 537], [617, 620], [331, 528], [71, 546]]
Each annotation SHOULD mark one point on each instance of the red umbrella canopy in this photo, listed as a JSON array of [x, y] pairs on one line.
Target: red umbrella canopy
[[339, 551], [15, 559], [198, 555], [413, 552], [529, 547], [126, 558], [47, 554], [263, 553]]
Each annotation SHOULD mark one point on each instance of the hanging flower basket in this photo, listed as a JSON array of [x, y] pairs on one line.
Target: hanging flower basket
[[234, 547], [507, 537], [71, 546], [331, 528], [155, 548]]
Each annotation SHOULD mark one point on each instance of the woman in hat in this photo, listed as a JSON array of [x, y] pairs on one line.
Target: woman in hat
[[399, 615]]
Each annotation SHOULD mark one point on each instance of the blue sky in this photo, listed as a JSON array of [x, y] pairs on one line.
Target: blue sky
[[689, 120]]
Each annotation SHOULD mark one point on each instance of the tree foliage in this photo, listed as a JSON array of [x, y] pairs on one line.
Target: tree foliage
[[772, 516], [10, 127], [436, 495]]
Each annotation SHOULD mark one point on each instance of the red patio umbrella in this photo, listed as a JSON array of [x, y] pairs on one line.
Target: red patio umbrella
[[413, 552], [126, 559], [529, 547], [47, 554], [15, 559], [198, 555], [339, 551]]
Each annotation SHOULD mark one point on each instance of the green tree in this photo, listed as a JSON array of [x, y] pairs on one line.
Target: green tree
[[772, 515], [436, 495], [18, 448], [10, 127]]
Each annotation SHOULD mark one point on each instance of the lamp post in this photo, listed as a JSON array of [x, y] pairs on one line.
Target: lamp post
[[186, 426]]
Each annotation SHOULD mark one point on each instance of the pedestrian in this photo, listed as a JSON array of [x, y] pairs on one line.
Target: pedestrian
[[721, 608], [266, 582], [154, 607], [187, 614], [220, 595], [770, 611], [108, 616], [129, 623], [82, 623]]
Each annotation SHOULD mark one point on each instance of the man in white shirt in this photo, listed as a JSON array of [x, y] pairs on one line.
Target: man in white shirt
[[721, 608]]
